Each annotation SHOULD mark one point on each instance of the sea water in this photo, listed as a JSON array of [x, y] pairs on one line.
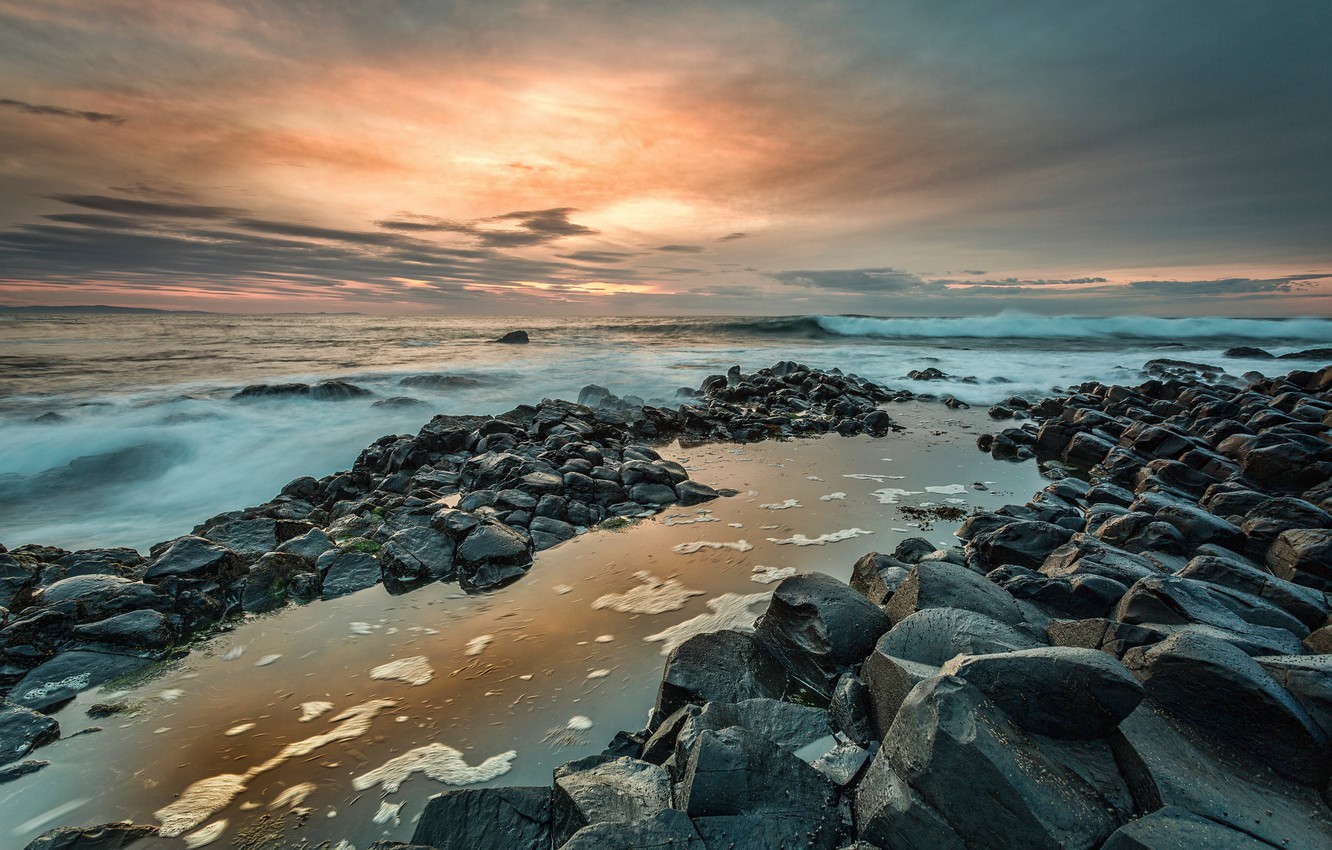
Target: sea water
[[119, 430]]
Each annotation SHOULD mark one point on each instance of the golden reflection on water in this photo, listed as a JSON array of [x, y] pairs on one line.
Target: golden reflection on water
[[544, 668]]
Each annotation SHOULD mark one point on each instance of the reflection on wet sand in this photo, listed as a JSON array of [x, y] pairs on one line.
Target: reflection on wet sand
[[410, 694]]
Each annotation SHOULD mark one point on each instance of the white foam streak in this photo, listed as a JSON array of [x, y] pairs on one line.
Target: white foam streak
[[437, 761]]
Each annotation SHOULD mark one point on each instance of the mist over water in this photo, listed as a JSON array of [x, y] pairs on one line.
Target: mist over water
[[145, 441]]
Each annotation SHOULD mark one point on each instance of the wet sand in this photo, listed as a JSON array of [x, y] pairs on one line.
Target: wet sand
[[505, 685]]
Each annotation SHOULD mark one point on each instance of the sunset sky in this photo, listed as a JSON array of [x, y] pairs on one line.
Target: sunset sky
[[606, 156]]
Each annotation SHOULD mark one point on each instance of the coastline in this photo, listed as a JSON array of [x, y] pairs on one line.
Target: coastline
[[837, 546]]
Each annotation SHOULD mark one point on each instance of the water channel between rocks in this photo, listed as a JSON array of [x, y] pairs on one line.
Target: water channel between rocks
[[301, 736]]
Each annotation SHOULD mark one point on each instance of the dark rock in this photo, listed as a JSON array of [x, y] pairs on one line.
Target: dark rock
[[912, 549], [1309, 680], [818, 627], [1173, 828], [256, 392], [1219, 690], [1062, 691], [1015, 794], [337, 391], [876, 576], [1085, 555], [937, 584], [652, 494], [1168, 763], [888, 680], [514, 338], [249, 538], [346, 572], [440, 382], [1141, 532], [851, 710], [725, 666], [669, 828], [935, 635], [730, 774], [1025, 543], [60, 679], [516, 818], [1307, 605], [598, 789], [23, 730], [693, 493], [121, 561], [18, 770], [265, 587], [1168, 602], [1247, 351], [134, 629], [785, 724], [309, 545], [1108, 636], [492, 554], [196, 558], [110, 836], [1303, 556], [1069, 597], [417, 553]]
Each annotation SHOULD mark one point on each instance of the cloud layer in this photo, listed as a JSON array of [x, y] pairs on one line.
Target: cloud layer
[[759, 156]]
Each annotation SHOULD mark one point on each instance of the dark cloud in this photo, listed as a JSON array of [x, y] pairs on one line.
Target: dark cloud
[[974, 272], [1228, 286], [112, 222], [599, 256], [731, 237], [533, 227], [859, 281], [306, 231], [681, 249], [552, 222], [61, 112], [150, 209]]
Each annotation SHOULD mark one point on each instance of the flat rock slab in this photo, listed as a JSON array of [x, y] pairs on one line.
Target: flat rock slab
[[64, 676], [347, 572], [670, 829], [1062, 691], [725, 666], [1173, 828], [111, 836], [515, 818], [935, 635], [23, 730], [1219, 690], [601, 789], [1221, 783]]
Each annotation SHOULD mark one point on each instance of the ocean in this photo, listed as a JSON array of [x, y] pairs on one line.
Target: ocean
[[119, 429]]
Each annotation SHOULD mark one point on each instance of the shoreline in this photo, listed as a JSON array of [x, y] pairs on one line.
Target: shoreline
[[1065, 488]]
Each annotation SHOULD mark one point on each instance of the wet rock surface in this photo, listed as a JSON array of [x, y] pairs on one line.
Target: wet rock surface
[[468, 499], [1128, 661]]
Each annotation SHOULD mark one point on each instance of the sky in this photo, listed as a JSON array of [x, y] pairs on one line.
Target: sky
[[940, 157]]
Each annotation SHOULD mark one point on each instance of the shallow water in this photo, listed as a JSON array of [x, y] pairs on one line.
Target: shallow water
[[556, 678], [156, 446]]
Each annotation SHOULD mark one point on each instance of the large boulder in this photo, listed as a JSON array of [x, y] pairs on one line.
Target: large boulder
[[725, 666], [142, 630], [935, 635], [417, 553], [96, 597], [23, 730], [877, 576], [1168, 762], [888, 680], [1168, 602], [1085, 555], [1061, 691], [516, 818], [939, 584], [1309, 606], [669, 828], [249, 538], [1173, 828], [955, 772], [819, 628], [728, 790], [786, 724], [1224, 693], [196, 558], [603, 789], [1304, 556], [1026, 543], [492, 554], [343, 572], [1309, 680]]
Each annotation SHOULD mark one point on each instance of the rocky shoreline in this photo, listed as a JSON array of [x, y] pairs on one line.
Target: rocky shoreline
[[1130, 660]]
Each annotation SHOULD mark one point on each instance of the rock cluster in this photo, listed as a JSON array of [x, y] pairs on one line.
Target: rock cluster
[[1130, 660], [468, 498]]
